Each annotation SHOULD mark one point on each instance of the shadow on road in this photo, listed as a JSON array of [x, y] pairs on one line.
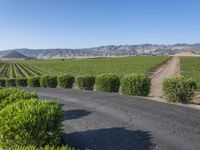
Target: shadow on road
[[75, 114], [110, 139]]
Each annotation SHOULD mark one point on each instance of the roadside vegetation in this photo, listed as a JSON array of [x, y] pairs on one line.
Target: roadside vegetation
[[35, 124], [179, 89], [190, 67], [134, 84]]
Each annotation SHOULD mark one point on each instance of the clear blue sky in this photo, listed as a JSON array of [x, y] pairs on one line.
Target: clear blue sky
[[88, 23]]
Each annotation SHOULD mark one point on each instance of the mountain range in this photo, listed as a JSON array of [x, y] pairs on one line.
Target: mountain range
[[107, 51], [15, 55]]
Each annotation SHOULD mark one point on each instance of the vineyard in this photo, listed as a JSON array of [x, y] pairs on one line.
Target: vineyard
[[118, 66], [190, 67], [18, 70]]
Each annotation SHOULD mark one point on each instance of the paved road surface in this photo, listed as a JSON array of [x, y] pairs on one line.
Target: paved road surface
[[168, 70], [107, 121]]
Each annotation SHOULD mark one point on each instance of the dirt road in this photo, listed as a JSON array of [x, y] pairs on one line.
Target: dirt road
[[170, 69]]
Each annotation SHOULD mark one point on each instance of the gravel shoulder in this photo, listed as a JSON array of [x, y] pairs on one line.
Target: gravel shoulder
[[110, 121]]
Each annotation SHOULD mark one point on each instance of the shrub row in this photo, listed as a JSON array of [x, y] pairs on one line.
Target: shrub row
[[177, 89], [25, 120], [135, 84], [13, 82]]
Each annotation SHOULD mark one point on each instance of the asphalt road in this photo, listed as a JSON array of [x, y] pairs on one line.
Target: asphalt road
[[109, 121]]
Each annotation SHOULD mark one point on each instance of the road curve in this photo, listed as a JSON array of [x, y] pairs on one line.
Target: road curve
[[109, 121]]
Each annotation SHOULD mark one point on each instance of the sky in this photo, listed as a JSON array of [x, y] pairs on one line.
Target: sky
[[90, 23]]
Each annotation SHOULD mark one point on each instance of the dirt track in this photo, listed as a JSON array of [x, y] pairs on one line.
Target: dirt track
[[170, 69]]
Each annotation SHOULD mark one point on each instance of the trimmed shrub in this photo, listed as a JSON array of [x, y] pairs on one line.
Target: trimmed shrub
[[43, 81], [51, 81], [107, 83], [2, 82], [65, 81], [85, 82], [48, 81], [10, 82], [21, 82], [34, 81], [33, 122], [8, 96], [6, 92], [179, 89], [135, 84], [47, 147]]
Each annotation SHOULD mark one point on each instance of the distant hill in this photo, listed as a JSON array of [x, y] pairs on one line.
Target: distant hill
[[16, 55], [108, 51]]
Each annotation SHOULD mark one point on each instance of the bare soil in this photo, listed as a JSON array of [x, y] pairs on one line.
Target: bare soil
[[170, 69]]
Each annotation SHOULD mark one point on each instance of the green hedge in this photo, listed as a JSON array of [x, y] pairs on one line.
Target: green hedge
[[21, 82], [135, 84], [8, 96], [107, 83], [10, 82], [33, 122], [85, 82], [48, 81], [65, 81], [52, 81], [41, 148], [179, 89], [43, 81], [2, 82], [34, 81]]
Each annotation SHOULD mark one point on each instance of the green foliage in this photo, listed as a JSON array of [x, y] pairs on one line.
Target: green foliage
[[135, 84], [118, 66], [8, 96], [48, 81], [51, 81], [41, 148], [33, 122], [10, 82], [107, 83], [34, 81], [190, 68], [43, 81], [2, 82], [21, 82], [85, 82], [179, 89], [65, 81]]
